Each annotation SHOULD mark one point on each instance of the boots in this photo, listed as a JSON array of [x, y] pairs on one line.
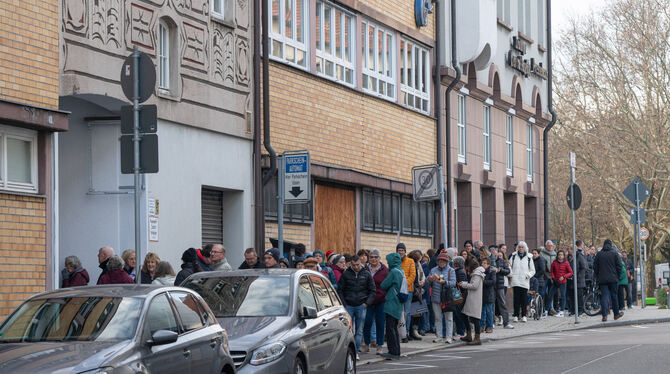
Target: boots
[[467, 337], [476, 341], [413, 334]]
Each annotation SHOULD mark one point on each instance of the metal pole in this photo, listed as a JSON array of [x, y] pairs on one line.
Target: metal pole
[[635, 270], [574, 239], [280, 204], [444, 213], [643, 275], [136, 160], [643, 295]]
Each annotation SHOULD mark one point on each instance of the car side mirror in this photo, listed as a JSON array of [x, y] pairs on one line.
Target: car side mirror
[[161, 337], [308, 312]]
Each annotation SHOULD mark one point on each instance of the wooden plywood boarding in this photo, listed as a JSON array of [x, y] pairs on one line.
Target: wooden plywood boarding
[[335, 219]]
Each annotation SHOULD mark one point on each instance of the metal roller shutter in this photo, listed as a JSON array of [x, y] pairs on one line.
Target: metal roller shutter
[[212, 216]]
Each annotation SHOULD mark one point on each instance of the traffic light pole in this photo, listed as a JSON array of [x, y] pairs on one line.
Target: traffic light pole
[[136, 160], [574, 241]]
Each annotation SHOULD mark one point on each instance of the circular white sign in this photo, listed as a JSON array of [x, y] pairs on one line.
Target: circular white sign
[[644, 233]]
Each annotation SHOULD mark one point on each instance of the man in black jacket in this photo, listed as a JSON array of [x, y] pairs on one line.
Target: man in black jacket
[[582, 266], [606, 269], [501, 290], [357, 290], [251, 260]]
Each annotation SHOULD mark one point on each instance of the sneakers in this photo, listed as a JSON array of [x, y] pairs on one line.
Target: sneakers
[[448, 341], [438, 340], [357, 357], [509, 326], [379, 350], [524, 319], [560, 314], [516, 319], [364, 348]]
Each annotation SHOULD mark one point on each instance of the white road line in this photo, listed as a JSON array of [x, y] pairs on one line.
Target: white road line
[[396, 369], [600, 358], [412, 364], [639, 327]]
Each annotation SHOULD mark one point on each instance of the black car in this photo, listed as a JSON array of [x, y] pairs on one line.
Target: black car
[[280, 320]]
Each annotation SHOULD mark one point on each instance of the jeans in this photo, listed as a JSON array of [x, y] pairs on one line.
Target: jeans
[[520, 301], [460, 319], [608, 299], [357, 314], [448, 317], [501, 305], [375, 313], [427, 323], [622, 300], [392, 340], [563, 291], [487, 315], [408, 308]]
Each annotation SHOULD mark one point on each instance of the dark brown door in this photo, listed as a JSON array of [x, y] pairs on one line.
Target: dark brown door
[[335, 219]]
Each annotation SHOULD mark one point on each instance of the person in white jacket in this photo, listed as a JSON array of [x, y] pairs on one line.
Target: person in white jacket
[[521, 270]]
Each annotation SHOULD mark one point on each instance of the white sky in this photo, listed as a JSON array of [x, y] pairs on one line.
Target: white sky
[[563, 10]]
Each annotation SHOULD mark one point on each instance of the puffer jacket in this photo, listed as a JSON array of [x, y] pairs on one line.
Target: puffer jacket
[[392, 285], [522, 269], [623, 277], [409, 267], [503, 271], [560, 269], [473, 303], [462, 276], [490, 286], [355, 288], [378, 278], [607, 265], [448, 274]]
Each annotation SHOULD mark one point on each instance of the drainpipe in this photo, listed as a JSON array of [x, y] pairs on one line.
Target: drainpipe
[[266, 95], [454, 64], [259, 213], [438, 104], [545, 135]]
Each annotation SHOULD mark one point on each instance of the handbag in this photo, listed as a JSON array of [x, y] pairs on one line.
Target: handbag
[[451, 299]]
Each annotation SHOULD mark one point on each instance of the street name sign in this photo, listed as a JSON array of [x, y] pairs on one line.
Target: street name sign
[[297, 177], [425, 182]]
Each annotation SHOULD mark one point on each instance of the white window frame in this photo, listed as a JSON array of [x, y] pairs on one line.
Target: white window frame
[[540, 22], [527, 19], [509, 144], [409, 86], [163, 55], [503, 10], [25, 135], [520, 18], [324, 56], [529, 151], [372, 74], [222, 6], [284, 41], [486, 133], [462, 131]]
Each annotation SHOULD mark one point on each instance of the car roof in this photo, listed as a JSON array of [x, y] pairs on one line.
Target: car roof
[[252, 272], [116, 290]]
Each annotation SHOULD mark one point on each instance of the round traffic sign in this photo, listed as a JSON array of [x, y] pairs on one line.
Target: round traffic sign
[[147, 77], [644, 233], [578, 197]]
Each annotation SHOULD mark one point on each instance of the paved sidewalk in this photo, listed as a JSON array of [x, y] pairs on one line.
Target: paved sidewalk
[[636, 315]]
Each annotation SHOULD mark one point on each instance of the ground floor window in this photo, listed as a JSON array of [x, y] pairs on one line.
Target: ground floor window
[[18, 159], [385, 211]]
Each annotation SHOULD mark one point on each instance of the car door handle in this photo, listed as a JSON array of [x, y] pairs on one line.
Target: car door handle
[[214, 342], [187, 353], [341, 316], [324, 323]]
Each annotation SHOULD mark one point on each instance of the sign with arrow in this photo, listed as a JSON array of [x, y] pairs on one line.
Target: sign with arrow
[[297, 177]]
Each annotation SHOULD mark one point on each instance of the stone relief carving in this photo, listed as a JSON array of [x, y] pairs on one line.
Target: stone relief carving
[[138, 26], [242, 58], [106, 23], [223, 46], [195, 51], [75, 16], [192, 7], [242, 13]]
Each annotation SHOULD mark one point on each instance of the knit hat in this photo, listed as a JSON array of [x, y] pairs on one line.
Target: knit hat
[[336, 259], [274, 252], [328, 253], [189, 255], [297, 259], [400, 246], [443, 257], [284, 260]]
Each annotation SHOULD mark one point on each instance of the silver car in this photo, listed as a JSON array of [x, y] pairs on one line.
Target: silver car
[[114, 329], [280, 320]]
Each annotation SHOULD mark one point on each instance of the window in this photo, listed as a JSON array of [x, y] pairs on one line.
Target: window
[[188, 310], [414, 76], [18, 159], [295, 213], [321, 293], [520, 17], [287, 31], [160, 316], [504, 11], [380, 210], [487, 137], [529, 151], [417, 217], [378, 48], [461, 129], [540, 22], [523, 10], [526, 19], [163, 55], [335, 43], [305, 295], [509, 144]]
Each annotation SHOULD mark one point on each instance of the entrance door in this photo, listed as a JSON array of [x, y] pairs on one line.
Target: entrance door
[[335, 219]]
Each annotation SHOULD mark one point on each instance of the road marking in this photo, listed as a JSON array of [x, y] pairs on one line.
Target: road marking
[[600, 358], [445, 356], [639, 327]]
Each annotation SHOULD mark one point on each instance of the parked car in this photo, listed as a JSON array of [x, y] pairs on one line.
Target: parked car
[[114, 329], [280, 320]]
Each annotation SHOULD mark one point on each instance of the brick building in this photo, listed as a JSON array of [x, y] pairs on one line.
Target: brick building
[[29, 126]]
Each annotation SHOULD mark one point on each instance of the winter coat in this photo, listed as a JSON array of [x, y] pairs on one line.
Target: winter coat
[[462, 276], [200, 259], [392, 285], [130, 271], [409, 267], [356, 288], [623, 277], [103, 266], [501, 274], [145, 278], [77, 278], [607, 265], [167, 280], [337, 272], [629, 268], [560, 269], [473, 304], [448, 274], [549, 257], [582, 266], [222, 265], [187, 269], [589, 268], [539, 264], [378, 278], [490, 286], [258, 265], [522, 269], [330, 274], [115, 277]]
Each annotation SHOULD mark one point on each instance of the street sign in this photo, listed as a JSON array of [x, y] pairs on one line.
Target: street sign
[[425, 182], [148, 119], [629, 192], [147, 73], [578, 197], [297, 178], [633, 216], [644, 233], [148, 154]]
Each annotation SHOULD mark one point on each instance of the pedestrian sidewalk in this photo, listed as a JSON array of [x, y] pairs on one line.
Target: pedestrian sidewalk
[[636, 315]]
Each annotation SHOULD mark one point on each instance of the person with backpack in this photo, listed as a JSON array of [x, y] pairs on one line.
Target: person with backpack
[[442, 277], [521, 270], [393, 306]]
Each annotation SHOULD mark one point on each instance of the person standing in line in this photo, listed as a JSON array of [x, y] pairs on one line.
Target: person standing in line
[[148, 270], [630, 272], [364, 255], [339, 265], [580, 273], [104, 254], [606, 270], [501, 288], [427, 318], [115, 273], [128, 257], [622, 285], [473, 304], [460, 320], [218, 258], [74, 275], [540, 275], [521, 270], [164, 275], [189, 266], [375, 311], [442, 276], [392, 306], [251, 260], [271, 258], [417, 296], [203, 257], [489, 294], [560, 272], [549, 255], [409, 268], [357, 290]]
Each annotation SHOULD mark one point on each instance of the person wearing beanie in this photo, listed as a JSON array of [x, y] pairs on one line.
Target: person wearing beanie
[[606, 269], [188, 267], [299, 262], [328, 253], [283, 263], [271, 258], [320, 257], [409, 268], [441, 277]]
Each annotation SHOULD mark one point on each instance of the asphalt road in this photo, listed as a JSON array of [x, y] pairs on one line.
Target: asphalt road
[[626, 349]]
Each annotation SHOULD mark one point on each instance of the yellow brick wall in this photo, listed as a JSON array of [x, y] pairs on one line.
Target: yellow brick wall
[[29, 52], [386, 242], [346, 128], [403, 12], [22, 249], [292, 233]]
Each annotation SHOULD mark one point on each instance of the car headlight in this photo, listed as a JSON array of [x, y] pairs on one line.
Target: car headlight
[[267, 353]]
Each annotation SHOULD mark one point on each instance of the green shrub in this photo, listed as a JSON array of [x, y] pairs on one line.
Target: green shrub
[[662, 296]]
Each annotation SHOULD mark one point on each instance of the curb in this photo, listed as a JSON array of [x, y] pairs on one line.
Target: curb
[[645, 321]]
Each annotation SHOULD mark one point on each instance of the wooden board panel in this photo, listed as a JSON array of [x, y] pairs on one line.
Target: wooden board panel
[[334, 219]]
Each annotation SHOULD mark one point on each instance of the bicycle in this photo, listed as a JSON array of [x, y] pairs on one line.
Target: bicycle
[[592, 300]]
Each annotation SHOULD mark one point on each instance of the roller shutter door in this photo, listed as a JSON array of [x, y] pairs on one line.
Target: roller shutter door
[[212, 216]]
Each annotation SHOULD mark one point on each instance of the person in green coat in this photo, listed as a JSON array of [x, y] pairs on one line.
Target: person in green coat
[[623, 284], [392, 307]]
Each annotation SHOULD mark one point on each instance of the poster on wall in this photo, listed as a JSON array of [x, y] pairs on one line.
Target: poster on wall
[[153, 228]]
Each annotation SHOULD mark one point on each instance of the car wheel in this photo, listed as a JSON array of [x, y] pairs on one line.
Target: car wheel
[[299, 366], [350, 364]]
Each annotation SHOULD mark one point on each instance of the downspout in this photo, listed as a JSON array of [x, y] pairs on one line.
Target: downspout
[[259, 212], [266, 95], [454, 64], [545, 139], [438, 105]]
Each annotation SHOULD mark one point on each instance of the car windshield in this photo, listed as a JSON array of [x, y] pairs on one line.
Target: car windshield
[[73, 319], [244, 296]]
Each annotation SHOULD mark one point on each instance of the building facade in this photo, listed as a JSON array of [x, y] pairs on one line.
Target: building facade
[[29, 124], [203, 191]]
